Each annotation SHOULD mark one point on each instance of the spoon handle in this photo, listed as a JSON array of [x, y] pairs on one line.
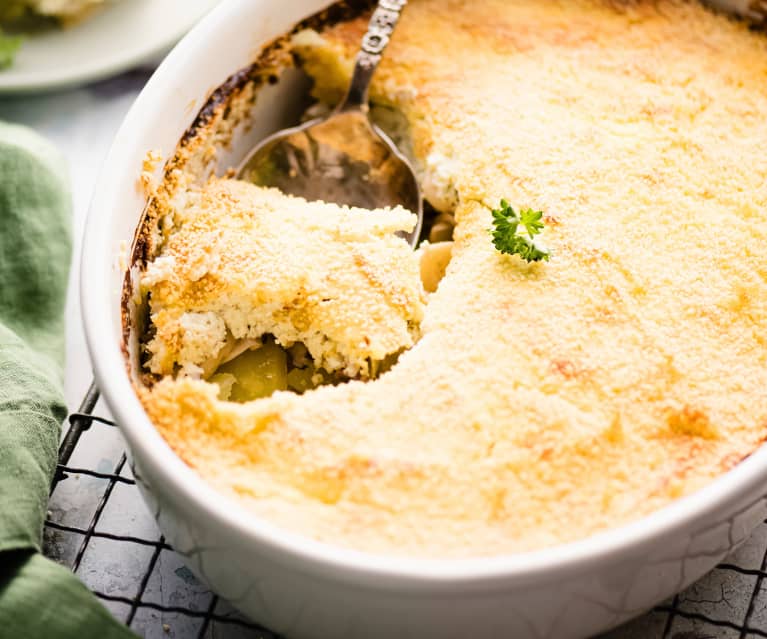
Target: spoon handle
[[380, 28]]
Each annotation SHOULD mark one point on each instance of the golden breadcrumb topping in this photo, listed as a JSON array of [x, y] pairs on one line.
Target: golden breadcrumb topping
[[242, 261], [544, 402]]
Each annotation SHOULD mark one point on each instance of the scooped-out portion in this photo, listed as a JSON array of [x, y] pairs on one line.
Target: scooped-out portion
[[259, 291]]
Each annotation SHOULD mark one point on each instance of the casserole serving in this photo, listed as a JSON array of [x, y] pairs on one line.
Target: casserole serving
[[591, 583]]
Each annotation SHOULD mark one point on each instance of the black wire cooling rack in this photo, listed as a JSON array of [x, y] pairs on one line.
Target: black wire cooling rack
[[730, 602], [80, 425]]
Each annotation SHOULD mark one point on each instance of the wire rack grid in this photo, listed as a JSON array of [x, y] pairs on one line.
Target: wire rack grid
[[729, 603]]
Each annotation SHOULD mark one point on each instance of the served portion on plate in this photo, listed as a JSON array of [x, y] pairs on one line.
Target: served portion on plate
[[462, 401], [47, 44], [21, 16]]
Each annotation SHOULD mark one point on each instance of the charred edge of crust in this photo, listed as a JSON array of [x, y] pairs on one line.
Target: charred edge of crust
[[341, 11], [125, 297], [758, 11], [264, 70]]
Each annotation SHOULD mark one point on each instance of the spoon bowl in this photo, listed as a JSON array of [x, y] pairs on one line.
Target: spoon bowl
[[344, 158]]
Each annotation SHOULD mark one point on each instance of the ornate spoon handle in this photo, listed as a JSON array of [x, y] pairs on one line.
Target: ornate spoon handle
[[380, 28]]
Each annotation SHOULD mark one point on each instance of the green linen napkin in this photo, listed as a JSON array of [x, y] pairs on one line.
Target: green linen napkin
[[38, 598]]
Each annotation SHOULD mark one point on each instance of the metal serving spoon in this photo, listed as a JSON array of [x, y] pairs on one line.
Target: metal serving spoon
[[344, 158]]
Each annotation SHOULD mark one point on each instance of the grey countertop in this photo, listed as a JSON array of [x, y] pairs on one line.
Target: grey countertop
[[173, 603]]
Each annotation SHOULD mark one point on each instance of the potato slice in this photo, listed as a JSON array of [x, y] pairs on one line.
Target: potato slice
[[434, 261], [258, 373]]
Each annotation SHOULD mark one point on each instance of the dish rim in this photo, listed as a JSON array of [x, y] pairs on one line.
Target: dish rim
[[745, 480]]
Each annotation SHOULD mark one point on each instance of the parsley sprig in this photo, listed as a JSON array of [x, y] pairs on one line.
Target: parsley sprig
[[514, 233]]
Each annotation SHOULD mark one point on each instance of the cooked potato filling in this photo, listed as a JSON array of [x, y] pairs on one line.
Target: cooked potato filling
[[264, 369]]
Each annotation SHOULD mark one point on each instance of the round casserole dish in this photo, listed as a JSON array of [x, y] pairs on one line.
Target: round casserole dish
[[292, 584]]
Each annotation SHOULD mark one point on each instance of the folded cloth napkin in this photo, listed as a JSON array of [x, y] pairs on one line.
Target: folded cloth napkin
[[38, 598]]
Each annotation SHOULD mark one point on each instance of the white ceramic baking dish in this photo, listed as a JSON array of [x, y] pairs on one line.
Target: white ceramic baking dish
[[292, 584]]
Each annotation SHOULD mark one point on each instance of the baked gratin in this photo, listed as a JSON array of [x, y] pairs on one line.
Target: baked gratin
[[458, 401]]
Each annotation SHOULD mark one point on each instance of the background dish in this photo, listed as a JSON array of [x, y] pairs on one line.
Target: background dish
[[117, 37]]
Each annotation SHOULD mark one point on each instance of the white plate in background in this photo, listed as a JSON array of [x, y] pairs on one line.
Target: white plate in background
[[121, 35]]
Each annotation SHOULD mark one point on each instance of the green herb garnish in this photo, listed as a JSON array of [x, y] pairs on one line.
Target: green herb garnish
[[9, 45], [514, 233]]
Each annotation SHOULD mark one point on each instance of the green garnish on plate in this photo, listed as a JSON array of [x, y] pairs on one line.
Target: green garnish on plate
[[9, 45], [514, 233]]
